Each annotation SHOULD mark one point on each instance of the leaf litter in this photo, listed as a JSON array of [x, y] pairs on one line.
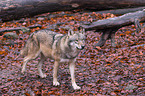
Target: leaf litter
[[104, 71]]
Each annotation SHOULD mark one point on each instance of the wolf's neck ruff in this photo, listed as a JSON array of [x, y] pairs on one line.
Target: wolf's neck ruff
[[70, 55], [62, 42]]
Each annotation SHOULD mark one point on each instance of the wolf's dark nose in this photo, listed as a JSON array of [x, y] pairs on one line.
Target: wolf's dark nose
[[83, 47]]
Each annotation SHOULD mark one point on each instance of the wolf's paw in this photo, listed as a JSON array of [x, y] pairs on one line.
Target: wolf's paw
[[56, 83], [43, 76], [22, 71], [76, 87]]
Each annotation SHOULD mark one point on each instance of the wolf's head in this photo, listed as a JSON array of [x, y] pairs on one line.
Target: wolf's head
[[76, 39]]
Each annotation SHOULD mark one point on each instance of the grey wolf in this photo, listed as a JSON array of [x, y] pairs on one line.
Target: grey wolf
[[61, 48]]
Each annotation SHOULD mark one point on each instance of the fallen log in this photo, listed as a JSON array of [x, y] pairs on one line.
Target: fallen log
[[111, 25], [119, 11], [16, 9], [17, 29], [136, 46]]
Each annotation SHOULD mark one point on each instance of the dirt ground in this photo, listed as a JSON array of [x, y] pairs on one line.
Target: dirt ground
[[105, 71]]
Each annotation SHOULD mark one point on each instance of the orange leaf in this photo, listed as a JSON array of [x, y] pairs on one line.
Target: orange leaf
[[121, 61], [43, 27], [140, 53], [127, 32], [2, 52], [27, 94], [122, 34], [50, 92], [97, 47], [108, 64]]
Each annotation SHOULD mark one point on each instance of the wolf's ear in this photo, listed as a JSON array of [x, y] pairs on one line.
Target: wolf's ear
[[82, 30], [70, 32]]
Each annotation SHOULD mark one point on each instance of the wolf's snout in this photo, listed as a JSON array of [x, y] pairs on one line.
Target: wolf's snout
[[81, 47]]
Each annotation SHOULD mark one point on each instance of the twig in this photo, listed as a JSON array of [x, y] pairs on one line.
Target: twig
[[19, 28], [142, 45]]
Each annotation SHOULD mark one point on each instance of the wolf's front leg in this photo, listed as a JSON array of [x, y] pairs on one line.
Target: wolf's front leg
[[55, 82], [72, 71]]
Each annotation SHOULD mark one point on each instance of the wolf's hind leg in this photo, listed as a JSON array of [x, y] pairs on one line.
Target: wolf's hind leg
[[25, 61], [42, 59], [28, 58]]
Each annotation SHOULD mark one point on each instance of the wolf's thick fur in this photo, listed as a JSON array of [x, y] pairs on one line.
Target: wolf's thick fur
[[61, 48]]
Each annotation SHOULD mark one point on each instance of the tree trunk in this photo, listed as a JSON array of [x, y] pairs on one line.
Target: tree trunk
[[117, 22], [111, 25], [16, 9]]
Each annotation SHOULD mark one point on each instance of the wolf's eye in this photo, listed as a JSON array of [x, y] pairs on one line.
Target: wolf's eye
[[76, 41]]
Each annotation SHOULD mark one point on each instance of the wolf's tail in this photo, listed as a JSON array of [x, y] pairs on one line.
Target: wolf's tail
[[24, 51], [31, 46], [21, 53]]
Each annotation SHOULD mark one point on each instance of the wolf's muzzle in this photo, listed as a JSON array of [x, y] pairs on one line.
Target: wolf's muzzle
[[81, 48]]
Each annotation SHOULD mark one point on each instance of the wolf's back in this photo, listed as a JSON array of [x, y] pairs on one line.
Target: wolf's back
[[36, 39]]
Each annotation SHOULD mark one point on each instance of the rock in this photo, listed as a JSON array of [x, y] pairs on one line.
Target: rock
[[130, 87], [40, 18], [65, 27], [25, 29], [11, 35]]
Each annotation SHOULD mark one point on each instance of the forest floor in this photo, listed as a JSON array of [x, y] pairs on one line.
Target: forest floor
[[104, 71]]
